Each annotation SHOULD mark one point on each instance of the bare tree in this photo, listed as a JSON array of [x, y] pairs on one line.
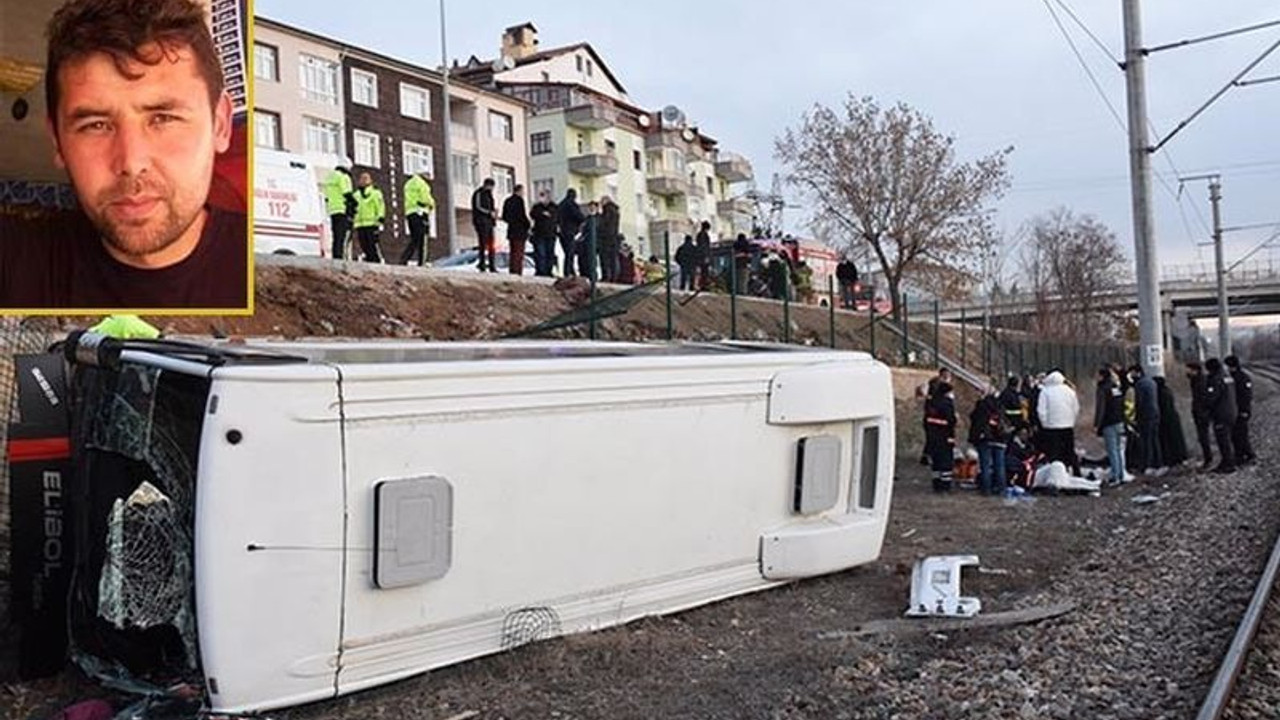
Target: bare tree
[[886, 179], [1070, 262]]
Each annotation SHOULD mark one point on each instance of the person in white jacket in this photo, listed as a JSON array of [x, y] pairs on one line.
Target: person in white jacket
[[1058, 409]]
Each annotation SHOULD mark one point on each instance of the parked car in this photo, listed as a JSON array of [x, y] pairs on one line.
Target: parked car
[[469, 260]]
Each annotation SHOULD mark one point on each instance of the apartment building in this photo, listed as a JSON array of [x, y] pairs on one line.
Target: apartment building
[[337, 103], [586, 133]]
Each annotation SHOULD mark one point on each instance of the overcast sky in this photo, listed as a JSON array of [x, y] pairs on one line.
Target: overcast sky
[[991, 72]]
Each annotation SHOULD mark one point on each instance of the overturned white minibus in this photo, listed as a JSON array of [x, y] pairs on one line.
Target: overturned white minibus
[[295, 521]]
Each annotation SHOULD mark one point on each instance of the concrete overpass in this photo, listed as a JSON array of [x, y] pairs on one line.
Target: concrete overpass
[[1191, 292]]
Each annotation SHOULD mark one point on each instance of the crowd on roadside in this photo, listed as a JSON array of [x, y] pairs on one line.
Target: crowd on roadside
[[588, 237], [1019, 432]]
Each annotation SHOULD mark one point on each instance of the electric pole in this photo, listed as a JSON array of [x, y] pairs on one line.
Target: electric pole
[[1150, 323], [451, 215], [1224, 318]]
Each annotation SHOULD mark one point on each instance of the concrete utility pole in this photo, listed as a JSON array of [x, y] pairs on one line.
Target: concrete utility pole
[[1150, 323], [1224, 317], [451, 215]]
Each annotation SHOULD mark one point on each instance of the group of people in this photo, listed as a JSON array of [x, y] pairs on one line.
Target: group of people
[[1031, 422], [588, 239]]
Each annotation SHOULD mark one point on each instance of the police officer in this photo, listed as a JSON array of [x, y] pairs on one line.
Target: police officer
[[418, 205], [1200, 412], [1220, 393], [1244, 404], [371, 214], [340, 204]]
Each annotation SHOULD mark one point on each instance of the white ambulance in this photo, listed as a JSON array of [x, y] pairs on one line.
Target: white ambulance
[[288, 210]]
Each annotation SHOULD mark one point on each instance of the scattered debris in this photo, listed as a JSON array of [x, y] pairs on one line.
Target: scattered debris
[[909, 533], [935, 587], [1145, 499], [937, 626], [993, 571]]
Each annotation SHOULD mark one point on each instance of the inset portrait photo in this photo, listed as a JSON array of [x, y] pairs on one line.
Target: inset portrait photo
[[124, 175]]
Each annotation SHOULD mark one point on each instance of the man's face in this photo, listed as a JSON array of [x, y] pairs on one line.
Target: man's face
[[140, 151], [365, 180]]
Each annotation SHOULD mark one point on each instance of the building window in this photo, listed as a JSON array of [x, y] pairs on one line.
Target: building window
[[711, 188], [266, 129], [367, 150], [540, 144], [582, 144], [418, 158], [547, 185], [637, 160], [579, 59], [364, 88], [500, 126], [465, 170], [321, 137], [504, 178], [588, 68], [415, 102], [610, 147], [319, 79], [266, 62]]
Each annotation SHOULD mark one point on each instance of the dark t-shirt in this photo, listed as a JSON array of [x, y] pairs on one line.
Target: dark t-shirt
[[69, 268]]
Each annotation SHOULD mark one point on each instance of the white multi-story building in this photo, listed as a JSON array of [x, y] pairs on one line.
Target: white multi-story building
[[586, 133]]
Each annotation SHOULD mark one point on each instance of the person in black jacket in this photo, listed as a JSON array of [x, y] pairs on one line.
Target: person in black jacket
[[1108, 420], [1173, 444], [1147, 408], [940, 435], [1220, 393], [687, 261], [703, 242], [988, 433], [1244, 405], [847, 277], [545, 217], [571, 219], [517, 220], [1200, 412], [1011, 403], [484, 217], [609, 240]]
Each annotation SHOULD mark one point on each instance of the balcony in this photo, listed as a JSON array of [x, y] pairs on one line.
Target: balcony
[[591, 116], [665, 139], [735, 206], [466, 132], [593, 164], [667, 185], [734, 168]]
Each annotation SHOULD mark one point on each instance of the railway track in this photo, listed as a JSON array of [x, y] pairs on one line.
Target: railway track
[[1226, 684]]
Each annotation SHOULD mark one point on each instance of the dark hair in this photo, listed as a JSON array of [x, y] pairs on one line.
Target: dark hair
[[1136, 368], [517, 188], [121, 28], [706, 225], [1013, 381], [1232, 362], [488, 182], [1213, 365]]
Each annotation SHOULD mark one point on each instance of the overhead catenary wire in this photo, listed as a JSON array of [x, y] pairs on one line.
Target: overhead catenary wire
[[1257, 81], [1092, 36], [1249, 68], [1214, 36], [1115, 114]]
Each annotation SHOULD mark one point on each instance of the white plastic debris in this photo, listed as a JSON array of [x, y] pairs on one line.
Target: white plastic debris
[[935, 588]]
